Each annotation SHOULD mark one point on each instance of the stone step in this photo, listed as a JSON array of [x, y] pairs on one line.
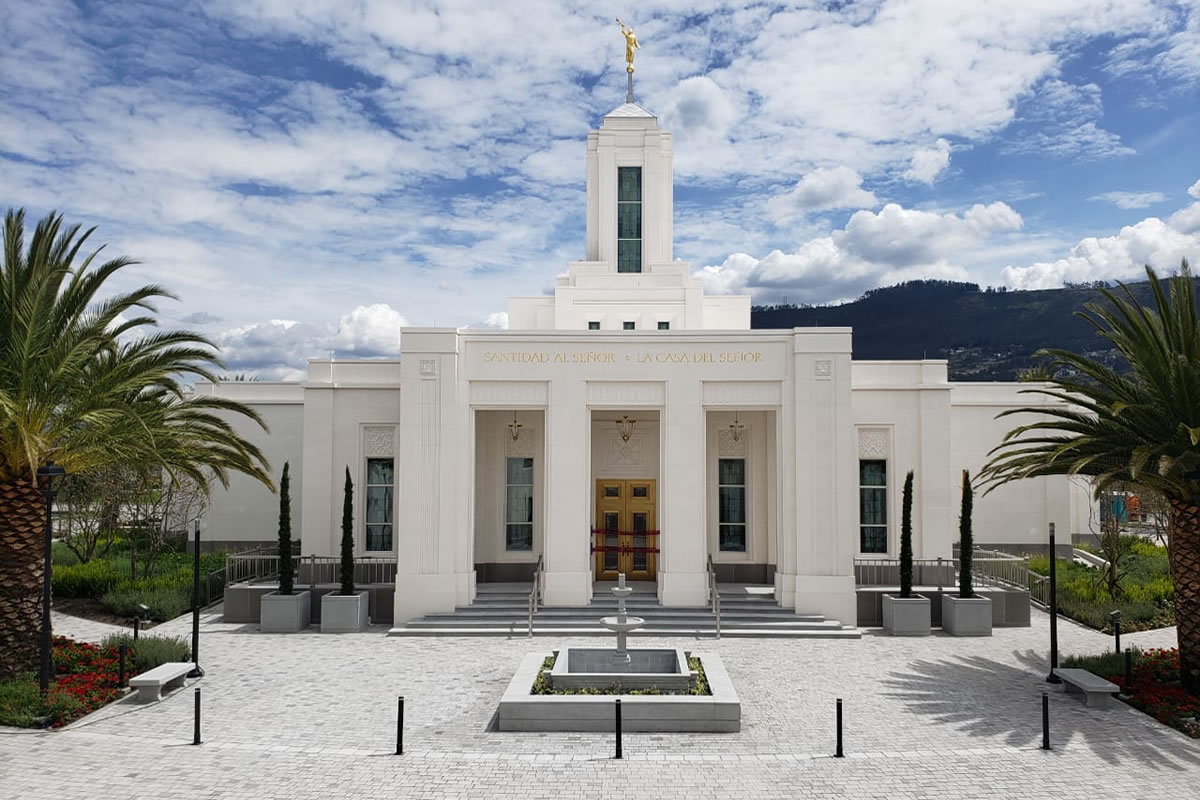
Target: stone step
[[580, 622], [649, 614], [841, 632]]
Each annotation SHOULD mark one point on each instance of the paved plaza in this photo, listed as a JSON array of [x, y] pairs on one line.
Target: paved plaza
[[313, 716]]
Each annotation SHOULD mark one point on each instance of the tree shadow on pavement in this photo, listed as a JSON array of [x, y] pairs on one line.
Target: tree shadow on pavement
[[989, 699]]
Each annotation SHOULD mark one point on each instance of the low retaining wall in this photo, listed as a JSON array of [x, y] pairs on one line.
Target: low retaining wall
[[720, 712], [242, 600], [1010, 607]]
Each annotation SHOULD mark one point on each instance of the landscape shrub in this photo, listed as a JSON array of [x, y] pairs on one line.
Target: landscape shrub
[[92, 579], [21, 703], [1147, 599], [151, 650], [166, 598]]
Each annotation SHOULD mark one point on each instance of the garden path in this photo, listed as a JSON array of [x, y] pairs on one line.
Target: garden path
[[83, 630]]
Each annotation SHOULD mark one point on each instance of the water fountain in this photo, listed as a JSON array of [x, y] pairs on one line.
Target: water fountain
[[667, 669], [663, 668]]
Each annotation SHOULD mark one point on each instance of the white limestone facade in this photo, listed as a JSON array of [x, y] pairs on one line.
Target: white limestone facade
[[630, 423]]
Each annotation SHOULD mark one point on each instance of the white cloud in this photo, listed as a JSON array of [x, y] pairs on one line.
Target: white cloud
[[928, 163], [1130, 199], [1194, 190], [1119, 257], [372, 330], [873, 249], [820, 190]]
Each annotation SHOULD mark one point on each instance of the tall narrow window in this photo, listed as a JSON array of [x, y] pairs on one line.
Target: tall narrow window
[[629, 219], [380, 483], [731, 504], [518, 515], [872, 507]]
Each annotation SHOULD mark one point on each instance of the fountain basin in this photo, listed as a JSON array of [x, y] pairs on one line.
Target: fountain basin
[[640, 668], [619, 625]]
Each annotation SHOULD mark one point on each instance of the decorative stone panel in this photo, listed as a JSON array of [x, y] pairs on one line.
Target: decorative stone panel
[[874, 443], [379, 440]]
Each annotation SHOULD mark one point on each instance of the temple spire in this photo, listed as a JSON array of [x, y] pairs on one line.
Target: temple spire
[[631, 44]]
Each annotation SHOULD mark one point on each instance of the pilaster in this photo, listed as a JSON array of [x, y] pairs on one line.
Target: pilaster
[[682, 576], [568, 495]]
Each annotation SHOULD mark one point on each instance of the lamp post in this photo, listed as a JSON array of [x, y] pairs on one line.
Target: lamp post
[[49, 480], [1052, 678], [196, 671]]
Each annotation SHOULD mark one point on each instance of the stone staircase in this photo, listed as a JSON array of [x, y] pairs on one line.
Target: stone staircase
[[746, 611]]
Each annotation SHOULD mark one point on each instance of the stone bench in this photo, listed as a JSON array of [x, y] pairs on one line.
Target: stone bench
[[1098, 692], [151, 683]]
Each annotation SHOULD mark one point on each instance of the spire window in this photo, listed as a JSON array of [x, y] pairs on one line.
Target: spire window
[[629, 219]]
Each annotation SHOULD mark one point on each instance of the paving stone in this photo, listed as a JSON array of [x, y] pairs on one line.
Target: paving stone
[[313, 716]]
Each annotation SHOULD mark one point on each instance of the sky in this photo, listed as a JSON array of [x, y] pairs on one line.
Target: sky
[[309, 176]]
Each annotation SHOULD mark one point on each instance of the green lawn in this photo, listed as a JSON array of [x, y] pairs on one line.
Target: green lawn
[[1147, 599]]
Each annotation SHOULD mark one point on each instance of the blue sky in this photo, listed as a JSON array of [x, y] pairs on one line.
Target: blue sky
[[310, 175]]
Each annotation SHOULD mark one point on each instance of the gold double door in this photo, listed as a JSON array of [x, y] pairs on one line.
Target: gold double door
[[625, 538]]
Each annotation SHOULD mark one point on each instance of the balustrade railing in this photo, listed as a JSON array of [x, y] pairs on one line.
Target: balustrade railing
[[262, 564], [989, 567], [714, 595]]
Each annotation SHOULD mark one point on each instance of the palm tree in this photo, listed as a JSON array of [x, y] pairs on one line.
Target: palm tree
[[1143, 427], [83, 384]]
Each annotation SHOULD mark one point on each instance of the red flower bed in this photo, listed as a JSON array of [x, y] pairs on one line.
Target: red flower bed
[[1155, 690], [85, 679]]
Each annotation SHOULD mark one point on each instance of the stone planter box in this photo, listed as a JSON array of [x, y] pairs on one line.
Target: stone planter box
[[966, 616], [345, 613], [284, 613], [720, 712], [906, 616]]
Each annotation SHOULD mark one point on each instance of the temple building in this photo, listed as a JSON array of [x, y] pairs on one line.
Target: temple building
[[630, 423]]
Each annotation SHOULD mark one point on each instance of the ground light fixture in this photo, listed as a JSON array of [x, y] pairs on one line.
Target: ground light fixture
[[49, 479], [143, 611]]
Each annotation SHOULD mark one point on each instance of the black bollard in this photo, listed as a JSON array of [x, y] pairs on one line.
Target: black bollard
[[196, 720], [137, 623], [1117, 632], [1045, 720], [121, 667], [618, 728], [400, 727], [839, 753], [1128, 671]]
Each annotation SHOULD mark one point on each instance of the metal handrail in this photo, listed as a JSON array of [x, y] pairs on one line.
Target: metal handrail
[[714, 595], [535, 593], [257, 565]]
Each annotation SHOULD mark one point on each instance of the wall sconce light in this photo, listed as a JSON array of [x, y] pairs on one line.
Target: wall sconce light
[[737, 428], [514, 427], [625, 426]]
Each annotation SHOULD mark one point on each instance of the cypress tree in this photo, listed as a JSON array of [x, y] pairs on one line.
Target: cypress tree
[[286, 569], [906, 551], [965, 540], [348, 537]]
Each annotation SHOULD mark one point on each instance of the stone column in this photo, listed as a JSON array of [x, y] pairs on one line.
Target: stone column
[[825, 456], [682, 575], [568, 495], [433, 477]]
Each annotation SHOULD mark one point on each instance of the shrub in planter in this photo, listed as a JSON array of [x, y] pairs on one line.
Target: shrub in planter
[[906, 614], [966, 615], [345, 611], [285, 611], [286, 569]]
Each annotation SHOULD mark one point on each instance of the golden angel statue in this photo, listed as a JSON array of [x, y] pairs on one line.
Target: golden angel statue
[[631, 44]]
